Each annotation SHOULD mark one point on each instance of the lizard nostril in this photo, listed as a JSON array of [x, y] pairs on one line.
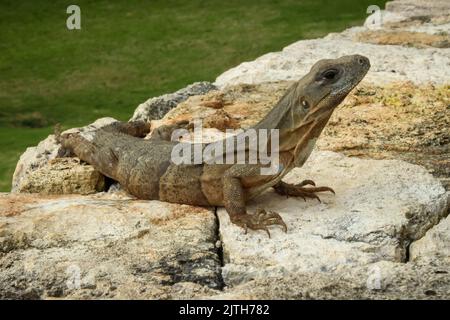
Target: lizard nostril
[[361, 61]]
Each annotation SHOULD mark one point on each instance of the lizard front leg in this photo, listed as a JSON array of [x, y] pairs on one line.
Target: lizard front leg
[[234, 203], [299, 190]]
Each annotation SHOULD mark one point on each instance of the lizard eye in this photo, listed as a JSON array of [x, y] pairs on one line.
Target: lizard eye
[[330, 74], [305, 104]]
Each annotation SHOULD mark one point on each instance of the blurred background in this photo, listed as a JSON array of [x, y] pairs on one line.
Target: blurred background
[[130, 50]]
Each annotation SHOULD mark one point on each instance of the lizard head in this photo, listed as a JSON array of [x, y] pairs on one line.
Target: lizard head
[[304, 110], [309, 103], [326, 85]]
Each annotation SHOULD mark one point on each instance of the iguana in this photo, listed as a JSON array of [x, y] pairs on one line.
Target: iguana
[[144, 167]]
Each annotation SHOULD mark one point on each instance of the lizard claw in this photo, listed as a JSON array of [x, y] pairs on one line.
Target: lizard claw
[[298, 190], [260, 220], [311, 192], [306, 183]]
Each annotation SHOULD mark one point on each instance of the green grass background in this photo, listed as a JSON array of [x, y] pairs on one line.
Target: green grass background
[[128, 51]]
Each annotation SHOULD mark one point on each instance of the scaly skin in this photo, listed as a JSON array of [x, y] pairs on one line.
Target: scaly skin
[[144, 167]]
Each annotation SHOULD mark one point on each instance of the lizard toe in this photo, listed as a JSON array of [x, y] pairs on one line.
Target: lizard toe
[[260, 220]]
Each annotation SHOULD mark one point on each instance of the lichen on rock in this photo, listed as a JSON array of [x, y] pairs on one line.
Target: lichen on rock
[[102, 246]]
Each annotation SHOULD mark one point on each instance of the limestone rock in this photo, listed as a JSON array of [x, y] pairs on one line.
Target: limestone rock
[[353, 245], [417, 8], [63, 176], [380, 280], [396, 121], [380, 207], [435, 245], [396, 29], [408, 38], [389, 63], [105, 247], [155, 108], [35, 158], [409, 33], [400, 12]]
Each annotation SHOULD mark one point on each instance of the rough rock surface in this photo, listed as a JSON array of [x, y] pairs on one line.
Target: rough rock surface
[[105, 246], [380, 280], [34, 158], [156, 108], [435, 245], [415, 8], [63, 176], [353, 245], [39, 157], [408, 38], [396, 121], [394, 29], [364, 223], [389, 63]]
